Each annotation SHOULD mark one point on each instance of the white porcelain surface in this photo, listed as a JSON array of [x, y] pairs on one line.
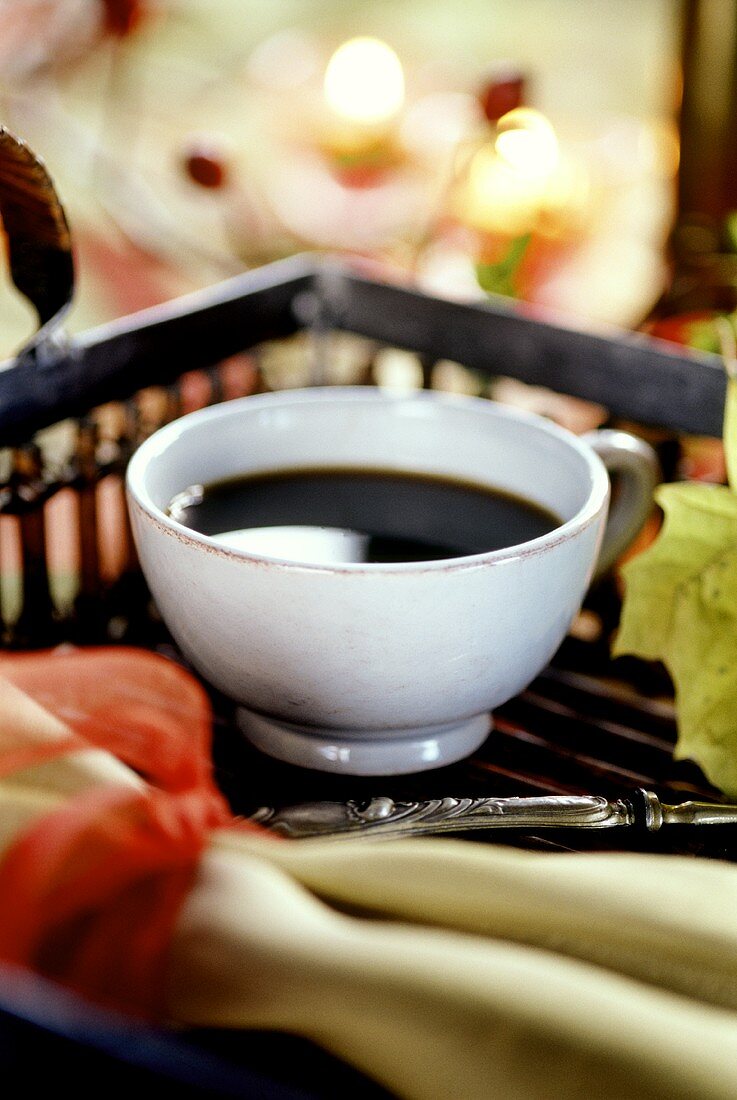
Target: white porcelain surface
[[364, 752], [369, 669]]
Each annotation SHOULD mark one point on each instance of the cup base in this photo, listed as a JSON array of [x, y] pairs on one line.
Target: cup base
[[365, 752]]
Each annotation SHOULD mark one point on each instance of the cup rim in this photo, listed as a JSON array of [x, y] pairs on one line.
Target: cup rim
[[157, 443]]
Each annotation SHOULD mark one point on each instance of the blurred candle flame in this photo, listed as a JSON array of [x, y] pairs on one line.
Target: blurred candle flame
[[364, 82], [526, 142], [518, 182]]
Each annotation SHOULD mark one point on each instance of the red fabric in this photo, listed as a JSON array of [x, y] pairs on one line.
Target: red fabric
[[141, 707], [90, 894], [19, 757]]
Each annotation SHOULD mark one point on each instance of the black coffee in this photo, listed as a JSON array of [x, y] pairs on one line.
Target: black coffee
[[355, 515]]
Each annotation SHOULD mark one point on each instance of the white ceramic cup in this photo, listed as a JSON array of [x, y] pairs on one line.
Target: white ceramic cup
[[377, 669]]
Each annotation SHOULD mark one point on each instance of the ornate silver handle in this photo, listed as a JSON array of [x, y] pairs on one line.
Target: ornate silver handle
[[383, 817]]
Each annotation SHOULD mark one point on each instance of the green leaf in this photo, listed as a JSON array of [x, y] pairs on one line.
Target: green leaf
[[701, 659], [725, 330], [499, 278], [703, 336], [681, 608], [700, 522], [728, 349], [730, 228]]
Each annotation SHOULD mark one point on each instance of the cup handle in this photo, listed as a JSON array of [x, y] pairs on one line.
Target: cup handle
[[639, 472]]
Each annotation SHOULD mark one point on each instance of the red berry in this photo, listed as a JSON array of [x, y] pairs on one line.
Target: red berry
[[205, 165], [121, 17], [503, 91]]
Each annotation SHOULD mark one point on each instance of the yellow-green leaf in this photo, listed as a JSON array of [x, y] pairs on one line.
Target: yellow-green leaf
[[700, 656], [700, 522], [681, 608], [725, 331]]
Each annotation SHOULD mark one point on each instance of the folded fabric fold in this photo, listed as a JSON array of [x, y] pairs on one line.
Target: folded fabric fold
[[474, 970], [665, 920], [432, 1013]]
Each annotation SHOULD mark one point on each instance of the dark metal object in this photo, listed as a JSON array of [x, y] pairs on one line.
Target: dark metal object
[[634, 376], [151, 347], [24, 496], [39, 242], [84, 476]]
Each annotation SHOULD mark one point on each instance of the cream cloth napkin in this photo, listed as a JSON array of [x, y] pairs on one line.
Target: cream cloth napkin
[[472, 971]]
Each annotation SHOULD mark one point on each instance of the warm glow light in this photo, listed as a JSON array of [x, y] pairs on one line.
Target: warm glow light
[[526, 142], [364, 81], [520, 183], [498, 199]]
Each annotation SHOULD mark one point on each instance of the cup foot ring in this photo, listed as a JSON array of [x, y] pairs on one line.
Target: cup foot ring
[[364, 752]]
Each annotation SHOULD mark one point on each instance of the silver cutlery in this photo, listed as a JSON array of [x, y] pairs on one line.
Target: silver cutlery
[[383, 817]]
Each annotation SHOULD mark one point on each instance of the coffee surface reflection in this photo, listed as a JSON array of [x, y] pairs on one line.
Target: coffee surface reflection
[[334, 515]]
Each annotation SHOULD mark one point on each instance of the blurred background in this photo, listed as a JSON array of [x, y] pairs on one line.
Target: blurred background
[[527, 149], [578, 157]]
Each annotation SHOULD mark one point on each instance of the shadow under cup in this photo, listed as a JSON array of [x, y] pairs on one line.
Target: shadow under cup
[[369, 668]]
